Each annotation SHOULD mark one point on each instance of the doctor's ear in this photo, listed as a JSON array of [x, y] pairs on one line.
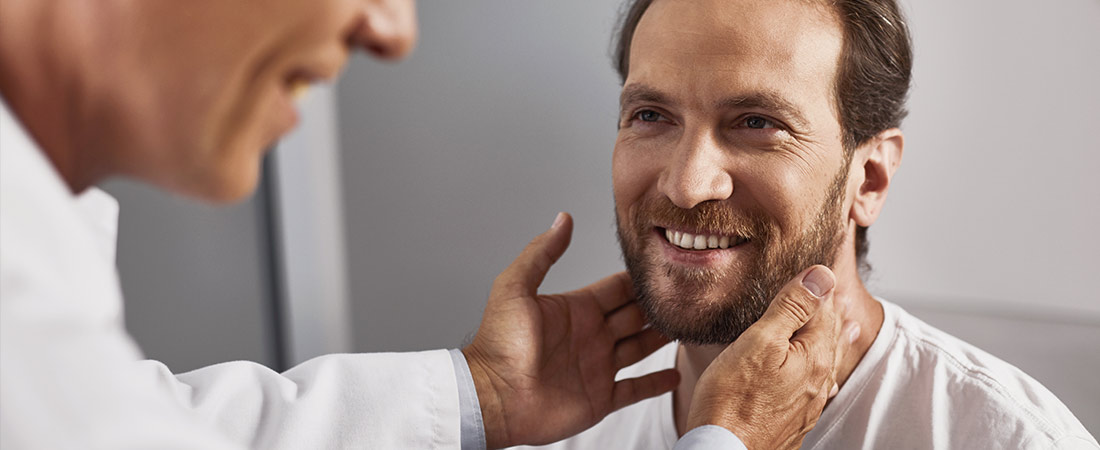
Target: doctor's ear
[[875, 163]]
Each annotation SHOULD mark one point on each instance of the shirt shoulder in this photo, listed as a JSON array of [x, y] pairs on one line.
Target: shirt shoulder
[[973, 378], [920, 387]]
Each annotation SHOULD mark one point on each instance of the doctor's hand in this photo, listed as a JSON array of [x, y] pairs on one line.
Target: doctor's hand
[[544, 365], [770, 386]]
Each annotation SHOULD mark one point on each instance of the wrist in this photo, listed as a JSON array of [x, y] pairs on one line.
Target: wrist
[[489, 399], [705, 413]]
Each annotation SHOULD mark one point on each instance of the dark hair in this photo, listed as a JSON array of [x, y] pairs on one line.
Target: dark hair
[[872, 80]]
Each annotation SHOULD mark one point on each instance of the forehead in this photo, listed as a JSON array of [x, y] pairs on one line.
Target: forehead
[[699, 47]]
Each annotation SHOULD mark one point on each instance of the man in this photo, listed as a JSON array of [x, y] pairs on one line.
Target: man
[[759, 137], [186, 96]]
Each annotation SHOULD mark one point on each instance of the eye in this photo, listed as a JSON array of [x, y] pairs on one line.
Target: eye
[[648, 115], [758, 122]]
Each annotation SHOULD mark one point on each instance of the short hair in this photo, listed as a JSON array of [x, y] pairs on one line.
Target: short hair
[[872, 80]]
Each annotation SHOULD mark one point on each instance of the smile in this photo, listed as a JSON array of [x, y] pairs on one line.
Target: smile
[[688, 241]]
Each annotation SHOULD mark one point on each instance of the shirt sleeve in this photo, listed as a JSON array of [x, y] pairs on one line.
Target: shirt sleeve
[[473, 429], [709, 437]]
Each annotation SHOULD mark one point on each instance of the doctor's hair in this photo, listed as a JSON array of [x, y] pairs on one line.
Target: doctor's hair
[[872, 80]]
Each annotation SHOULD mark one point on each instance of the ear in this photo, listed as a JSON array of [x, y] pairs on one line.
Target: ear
[[879, 159]]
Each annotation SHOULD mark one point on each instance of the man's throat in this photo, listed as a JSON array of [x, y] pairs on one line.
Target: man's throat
[[691, 361]]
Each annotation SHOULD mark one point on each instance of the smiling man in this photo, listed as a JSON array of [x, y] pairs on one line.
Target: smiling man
[[757, 138]]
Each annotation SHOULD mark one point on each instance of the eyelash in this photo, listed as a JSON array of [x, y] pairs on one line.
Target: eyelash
[[638, 116], [767, 121], [773, 124]]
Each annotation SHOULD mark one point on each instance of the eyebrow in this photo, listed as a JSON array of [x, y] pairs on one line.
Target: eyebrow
[[769, 101], [640, 93]]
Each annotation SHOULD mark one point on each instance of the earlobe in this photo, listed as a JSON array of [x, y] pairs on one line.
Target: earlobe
[[883, 156]]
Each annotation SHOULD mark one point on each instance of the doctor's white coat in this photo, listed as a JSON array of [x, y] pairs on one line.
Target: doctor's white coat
[[71, 377]]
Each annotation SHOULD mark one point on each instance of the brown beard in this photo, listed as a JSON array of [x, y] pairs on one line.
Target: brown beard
[[683, 312]]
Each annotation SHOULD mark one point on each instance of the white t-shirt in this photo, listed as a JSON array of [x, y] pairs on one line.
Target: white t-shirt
[[917, 387]]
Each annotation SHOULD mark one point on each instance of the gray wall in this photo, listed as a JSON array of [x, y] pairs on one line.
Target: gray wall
[[196, 277], [506, 114], [454, 159]]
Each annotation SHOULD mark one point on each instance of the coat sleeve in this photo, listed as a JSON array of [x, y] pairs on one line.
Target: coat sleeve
[[72, 382], [383, 400], [71, 377]]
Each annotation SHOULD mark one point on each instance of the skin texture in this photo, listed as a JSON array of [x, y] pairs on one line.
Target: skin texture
[[689, 56]]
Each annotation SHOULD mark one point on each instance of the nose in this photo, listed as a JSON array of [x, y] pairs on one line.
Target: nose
[[387, 29], [696, 173]]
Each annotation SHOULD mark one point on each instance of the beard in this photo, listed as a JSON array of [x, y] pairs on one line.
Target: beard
[[685, 306]]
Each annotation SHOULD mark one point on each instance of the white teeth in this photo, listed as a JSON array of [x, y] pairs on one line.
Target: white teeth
[[298, 89], [690, 241], [687, 241]]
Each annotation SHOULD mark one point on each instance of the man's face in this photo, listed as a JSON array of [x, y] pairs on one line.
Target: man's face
[[729, 172], [210, 84]]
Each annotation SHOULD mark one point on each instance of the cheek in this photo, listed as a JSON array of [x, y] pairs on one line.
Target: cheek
[[632, 176], [781, 190]]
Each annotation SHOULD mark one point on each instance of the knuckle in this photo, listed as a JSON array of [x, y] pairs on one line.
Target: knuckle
[[796, 306]]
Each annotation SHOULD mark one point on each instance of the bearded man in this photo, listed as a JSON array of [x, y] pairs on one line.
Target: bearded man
[[758, 138]]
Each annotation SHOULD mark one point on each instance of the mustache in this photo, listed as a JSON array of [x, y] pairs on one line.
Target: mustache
[[710, 216]]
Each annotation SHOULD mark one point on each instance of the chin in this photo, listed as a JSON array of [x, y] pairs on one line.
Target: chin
[[232, 193], [226, 186]]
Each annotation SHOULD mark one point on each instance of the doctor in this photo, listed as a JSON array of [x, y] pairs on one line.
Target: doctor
[[187, 95]]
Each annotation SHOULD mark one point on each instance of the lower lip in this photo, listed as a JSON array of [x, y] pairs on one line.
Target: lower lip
[[696, 258]]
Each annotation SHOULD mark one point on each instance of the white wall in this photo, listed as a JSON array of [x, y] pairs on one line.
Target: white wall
[[998, 197]]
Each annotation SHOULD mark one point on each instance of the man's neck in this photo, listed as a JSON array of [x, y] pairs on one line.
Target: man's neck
[[692, 360], [43, 48]]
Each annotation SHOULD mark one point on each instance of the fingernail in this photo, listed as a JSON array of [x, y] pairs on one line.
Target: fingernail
[[558, 220], [833, 392], [818, 281], [853, 332]]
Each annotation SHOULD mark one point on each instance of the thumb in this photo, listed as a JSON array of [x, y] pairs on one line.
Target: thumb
[[526, 273], [797, 302]]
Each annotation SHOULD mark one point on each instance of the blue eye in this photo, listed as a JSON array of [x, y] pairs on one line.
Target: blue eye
[[648, 115]]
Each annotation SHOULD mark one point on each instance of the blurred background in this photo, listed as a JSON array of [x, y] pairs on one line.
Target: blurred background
[[384, 218]]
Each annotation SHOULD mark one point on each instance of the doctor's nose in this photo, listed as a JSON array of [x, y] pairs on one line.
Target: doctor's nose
[[695, 173], [387, 28]]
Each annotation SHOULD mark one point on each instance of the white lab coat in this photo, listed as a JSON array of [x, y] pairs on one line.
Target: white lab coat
[[71, 377]]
